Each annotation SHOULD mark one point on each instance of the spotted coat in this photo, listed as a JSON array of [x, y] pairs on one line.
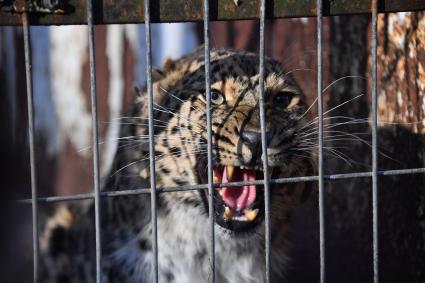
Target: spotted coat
[[180, 150]]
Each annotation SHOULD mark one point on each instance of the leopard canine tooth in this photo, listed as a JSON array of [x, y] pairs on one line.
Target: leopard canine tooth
[[216, 179], [228, 214], [251, 214], [229, 171]]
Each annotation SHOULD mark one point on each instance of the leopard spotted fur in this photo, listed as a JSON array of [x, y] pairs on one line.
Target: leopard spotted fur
[[180, 149]]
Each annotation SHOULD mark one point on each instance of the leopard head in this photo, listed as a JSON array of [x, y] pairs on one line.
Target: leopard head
[[181, 136]]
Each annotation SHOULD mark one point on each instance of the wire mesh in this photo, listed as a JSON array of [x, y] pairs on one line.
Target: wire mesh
[[153, 190]]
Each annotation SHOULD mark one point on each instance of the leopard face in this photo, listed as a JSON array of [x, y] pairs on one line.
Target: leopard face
[[181, 136]]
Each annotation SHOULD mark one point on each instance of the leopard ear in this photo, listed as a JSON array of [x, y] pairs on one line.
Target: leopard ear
[[169, 65], [137, 91], [157, 75]]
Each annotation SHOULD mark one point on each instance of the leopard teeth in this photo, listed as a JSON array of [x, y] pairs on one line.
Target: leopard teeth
[[228, 214], [216, 179], [251, 214], [229, 171]]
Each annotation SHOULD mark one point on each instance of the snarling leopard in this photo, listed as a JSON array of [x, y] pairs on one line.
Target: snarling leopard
[[180, 143]]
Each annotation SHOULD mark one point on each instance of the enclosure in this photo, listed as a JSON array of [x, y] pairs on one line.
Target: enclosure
[[365, 221]]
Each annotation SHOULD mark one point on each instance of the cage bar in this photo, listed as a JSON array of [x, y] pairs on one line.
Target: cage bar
[[375, 140], [328, 178], [263, 127], [207, 66], [95, 140], [130, 11], [254, 9], [320, 141], [154, 216], [31, 139]]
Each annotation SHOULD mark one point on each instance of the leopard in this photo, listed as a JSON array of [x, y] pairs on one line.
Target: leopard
[[180, 147]]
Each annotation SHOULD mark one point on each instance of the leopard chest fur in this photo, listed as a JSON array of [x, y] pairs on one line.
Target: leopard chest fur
[[183, 252], [185, 255]]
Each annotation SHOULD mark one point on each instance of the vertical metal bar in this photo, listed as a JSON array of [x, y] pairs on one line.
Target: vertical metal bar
[[95, 140], [209, 141], [320, 142], [264, 143], [151, 141], [375, 140], [30, 107]]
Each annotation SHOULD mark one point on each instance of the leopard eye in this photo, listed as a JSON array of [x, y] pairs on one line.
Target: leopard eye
[[216, 97], [283, 98]]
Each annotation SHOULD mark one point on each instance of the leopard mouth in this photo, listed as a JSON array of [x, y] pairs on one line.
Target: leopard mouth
[[238, 209]]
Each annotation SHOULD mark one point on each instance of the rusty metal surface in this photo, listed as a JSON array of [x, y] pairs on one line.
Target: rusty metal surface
[[33, 6], [131, 11]]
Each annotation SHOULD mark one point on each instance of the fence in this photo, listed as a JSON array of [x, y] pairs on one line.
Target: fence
[[21, 12]]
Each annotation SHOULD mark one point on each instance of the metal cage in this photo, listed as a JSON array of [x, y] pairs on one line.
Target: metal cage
[[363, 7]]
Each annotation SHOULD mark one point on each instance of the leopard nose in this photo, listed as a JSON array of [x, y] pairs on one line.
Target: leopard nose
[[251, 139]]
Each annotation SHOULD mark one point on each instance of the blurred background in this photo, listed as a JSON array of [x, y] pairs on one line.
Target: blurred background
[[63, 128]]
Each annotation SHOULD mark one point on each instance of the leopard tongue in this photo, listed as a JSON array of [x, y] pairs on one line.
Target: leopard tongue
[[239, 198]]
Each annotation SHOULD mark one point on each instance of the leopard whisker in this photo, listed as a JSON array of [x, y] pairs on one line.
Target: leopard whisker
[[336, 153], [299, 69], [157, 158], [325, 89], [130, 164], [340, 79], [141, 139], [312, 123], [159, 126], [330, 110], [325, 131], [179, 99], [336, 135], [200, 126], [140, 118]]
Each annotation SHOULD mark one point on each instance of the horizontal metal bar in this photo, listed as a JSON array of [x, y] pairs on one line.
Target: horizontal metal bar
[[328, 178], [131, 11]]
